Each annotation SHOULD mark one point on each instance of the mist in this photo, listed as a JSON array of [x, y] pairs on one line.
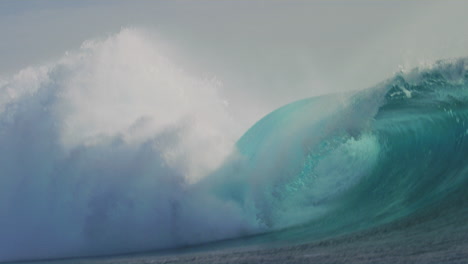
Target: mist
[[265, 53]]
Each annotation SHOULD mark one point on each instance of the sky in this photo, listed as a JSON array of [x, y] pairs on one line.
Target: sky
[[118, 115], [273, 51]]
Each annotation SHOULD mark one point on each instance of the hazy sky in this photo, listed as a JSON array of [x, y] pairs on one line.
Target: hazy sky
[[278, 51]]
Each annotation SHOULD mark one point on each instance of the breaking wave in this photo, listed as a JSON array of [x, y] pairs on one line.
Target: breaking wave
[[106, 153]]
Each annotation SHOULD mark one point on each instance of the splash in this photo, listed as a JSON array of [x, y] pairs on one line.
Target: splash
[[107, 139]]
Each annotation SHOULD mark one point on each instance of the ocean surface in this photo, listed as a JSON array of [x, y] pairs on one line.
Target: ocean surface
[[373, 176]]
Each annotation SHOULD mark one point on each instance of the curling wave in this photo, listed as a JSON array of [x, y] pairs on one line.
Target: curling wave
[[337, 164], [89, 167]]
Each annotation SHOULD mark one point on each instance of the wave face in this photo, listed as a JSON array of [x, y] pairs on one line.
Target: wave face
[[341, 163], [89, 167]]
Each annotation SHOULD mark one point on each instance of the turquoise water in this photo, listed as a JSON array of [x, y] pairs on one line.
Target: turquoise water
[[343, 163]]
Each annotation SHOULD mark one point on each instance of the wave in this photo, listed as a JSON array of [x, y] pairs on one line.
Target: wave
[[106, 139], [89, 168], [341, 163]]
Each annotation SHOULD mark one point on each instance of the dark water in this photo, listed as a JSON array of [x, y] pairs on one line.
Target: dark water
[[377, 176]]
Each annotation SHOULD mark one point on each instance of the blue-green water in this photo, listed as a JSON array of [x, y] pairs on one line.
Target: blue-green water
[[343, 163]]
